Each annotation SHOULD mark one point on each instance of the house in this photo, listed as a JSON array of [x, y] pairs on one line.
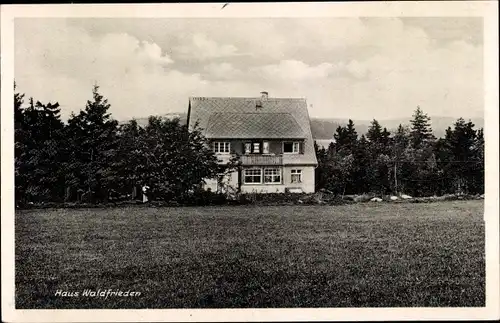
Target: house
[[272, 136]]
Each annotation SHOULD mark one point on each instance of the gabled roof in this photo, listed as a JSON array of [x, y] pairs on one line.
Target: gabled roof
[[235, 117], [253, 125]]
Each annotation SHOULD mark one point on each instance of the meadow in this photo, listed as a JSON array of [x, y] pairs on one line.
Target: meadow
[[358, 255]]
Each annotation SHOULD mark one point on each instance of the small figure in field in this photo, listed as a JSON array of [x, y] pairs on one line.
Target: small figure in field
[[145, 189]]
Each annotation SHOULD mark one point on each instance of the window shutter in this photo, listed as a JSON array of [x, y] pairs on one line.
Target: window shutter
[[243, 148], [301, 147]]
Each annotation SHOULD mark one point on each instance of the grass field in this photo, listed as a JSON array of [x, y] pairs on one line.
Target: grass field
[[360, 255]]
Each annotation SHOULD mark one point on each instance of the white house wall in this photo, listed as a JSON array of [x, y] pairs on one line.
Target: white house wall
[[307, 184], [308, 178]]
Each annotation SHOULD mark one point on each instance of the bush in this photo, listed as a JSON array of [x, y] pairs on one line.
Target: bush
[[200, 197], [363, 198]]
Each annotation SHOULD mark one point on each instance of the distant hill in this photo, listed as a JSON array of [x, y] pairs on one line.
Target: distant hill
[[323, 129]]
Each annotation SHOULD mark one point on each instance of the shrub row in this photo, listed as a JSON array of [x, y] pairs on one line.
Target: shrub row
[[206, 198]]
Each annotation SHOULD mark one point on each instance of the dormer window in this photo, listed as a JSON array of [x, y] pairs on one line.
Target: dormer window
[[291, 147], [248, 148], [253, 147], [256, 147], [221, 147]]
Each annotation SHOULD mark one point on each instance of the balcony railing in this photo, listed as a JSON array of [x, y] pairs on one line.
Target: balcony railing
[[261, 160]]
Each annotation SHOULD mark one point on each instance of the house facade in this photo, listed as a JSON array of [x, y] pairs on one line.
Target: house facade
[[271, 136]]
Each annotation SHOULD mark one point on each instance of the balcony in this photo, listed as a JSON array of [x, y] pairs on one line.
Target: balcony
[[257, 160], [262, 160]]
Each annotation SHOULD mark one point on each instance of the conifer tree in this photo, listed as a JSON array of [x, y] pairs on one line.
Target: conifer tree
[[20, 143], [421, 130], [374, 133], [38, 142], [461, 151], [346, 138], [92, 151]]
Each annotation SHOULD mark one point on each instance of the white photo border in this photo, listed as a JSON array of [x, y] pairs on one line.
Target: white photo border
[[486, 9]]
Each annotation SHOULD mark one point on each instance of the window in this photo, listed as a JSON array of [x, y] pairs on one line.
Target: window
[[265, 147], [272, 175], [248, 148], [221, 147], [296, 176], [253, 175], [291, 147], [256, 147]]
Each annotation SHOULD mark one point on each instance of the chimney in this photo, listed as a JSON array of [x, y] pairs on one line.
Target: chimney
[[264, 95]]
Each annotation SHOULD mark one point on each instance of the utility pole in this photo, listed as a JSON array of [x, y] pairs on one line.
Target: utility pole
[[395, 178]]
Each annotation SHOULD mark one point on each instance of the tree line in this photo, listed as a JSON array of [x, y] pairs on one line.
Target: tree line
[[92, 158], [409, 161]]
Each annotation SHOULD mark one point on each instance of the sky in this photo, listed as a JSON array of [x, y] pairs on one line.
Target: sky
[[359, 68]]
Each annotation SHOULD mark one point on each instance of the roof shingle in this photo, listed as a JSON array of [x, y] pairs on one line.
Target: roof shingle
[[253, 125], [276, 118]]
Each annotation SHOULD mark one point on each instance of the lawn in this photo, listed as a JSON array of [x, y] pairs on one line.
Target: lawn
[[360, 255]]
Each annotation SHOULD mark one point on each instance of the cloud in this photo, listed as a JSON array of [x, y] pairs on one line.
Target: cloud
[[294, 70], [223, 71], [133, 74], [200, 47], [298, 71], [356, 69], [443, 81], [346, 67]]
